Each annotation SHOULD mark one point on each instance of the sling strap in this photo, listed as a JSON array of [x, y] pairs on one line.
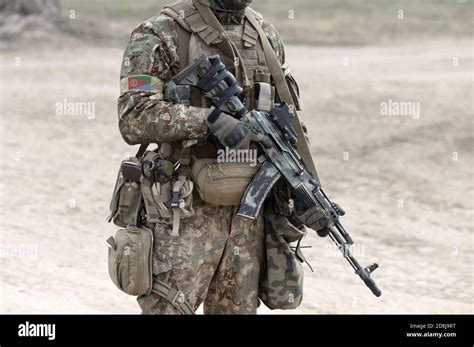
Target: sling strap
[[173, 296], [283, 90]]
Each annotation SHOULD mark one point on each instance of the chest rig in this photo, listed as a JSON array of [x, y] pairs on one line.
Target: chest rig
[[238, 47]]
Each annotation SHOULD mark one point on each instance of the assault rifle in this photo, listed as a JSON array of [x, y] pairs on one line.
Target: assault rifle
[[280, 159]]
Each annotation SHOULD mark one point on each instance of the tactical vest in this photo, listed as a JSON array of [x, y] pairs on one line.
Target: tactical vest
[[243, 56], [249, 65], [249, 49]]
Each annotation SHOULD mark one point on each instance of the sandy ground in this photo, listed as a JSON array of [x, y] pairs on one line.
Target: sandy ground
[[407, 184]]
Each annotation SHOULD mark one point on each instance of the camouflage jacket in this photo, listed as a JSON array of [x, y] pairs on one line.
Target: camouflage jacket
[[144, 116]]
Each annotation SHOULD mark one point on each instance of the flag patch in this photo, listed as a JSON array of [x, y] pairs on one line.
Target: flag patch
[[144, 83]]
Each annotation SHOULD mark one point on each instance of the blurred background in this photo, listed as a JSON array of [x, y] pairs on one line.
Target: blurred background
[[387, 93]]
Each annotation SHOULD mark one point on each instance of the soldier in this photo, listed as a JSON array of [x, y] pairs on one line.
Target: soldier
[[217, 257]]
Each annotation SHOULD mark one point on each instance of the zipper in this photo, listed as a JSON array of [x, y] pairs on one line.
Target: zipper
[[225, 176], [140, 270]]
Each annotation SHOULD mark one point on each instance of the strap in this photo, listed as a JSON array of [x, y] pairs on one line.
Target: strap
[[206, 13], [283, 90], [175, 11], [176, 204], [142, 150], [183, 46], [189, 18], [209, 17], [173, 296], [183, 29], [185, 156], [181, 202], [250, 35]]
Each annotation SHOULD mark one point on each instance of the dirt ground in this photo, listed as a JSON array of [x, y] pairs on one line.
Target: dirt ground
[[406, 182]]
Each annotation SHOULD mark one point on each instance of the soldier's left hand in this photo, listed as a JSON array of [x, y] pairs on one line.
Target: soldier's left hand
[[316, 218]]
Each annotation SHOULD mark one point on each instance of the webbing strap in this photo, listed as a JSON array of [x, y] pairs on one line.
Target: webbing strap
[[283, 90], [177, 186], [211, 20], [173, 296], [142, 150]]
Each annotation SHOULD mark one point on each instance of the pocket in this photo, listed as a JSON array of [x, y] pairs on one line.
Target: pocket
[[222, 184], [126, 203], [114, 259], [129, 206], [159, 265], [114, 202], [283, 227], [281, 284], [130, 260]]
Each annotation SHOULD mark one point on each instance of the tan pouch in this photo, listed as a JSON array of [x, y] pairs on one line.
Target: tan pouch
[[127, 203], [130, 260], [222, 184]]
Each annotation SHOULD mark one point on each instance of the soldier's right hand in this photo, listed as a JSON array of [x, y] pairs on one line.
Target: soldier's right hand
[[231, 132]]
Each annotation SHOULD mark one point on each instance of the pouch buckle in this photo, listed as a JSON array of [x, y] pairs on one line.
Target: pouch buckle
[[176, 200]]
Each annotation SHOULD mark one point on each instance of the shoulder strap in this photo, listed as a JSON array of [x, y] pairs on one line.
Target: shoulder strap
[[178, 12], [206, 13], [187, 14], [282, 88]]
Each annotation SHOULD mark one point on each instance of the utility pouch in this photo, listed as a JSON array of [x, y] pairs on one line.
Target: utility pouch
[[222, 184], [127, 203], [156, 189], [264, 96], [167, 198], [130, 260], [131, 170], [281, 284]]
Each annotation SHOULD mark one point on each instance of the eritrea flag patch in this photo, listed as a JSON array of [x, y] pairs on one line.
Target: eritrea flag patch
[[144, 83]]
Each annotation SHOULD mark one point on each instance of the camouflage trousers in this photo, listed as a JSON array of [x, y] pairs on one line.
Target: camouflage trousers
[[217, 259]]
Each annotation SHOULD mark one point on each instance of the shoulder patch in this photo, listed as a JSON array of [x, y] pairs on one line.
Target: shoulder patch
[[145, 83]]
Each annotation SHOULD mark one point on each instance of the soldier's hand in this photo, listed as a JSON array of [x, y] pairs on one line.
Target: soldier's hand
[[231, 132], [316, 218]]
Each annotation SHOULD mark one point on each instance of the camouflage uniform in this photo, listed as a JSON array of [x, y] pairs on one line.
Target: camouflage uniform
[[217, 257]]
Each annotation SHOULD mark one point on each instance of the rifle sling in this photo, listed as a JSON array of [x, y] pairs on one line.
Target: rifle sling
[[284, 92]]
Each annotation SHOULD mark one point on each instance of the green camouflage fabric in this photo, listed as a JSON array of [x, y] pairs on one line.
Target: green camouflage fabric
[[281, 285], [144, 117], [216, 259]]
